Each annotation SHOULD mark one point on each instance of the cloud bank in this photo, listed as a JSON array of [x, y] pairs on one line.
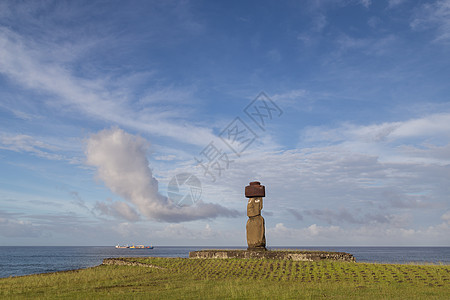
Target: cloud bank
[[121, 162]]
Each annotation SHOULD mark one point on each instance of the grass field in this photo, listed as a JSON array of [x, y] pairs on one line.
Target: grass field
[[181, 278]]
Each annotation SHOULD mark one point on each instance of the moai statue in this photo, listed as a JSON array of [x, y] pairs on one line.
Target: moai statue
[[256, 239]]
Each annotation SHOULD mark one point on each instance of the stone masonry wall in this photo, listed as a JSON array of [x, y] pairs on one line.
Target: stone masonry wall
[[295, 255]]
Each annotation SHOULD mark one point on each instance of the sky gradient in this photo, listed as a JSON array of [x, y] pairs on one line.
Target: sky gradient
[[340, 108]]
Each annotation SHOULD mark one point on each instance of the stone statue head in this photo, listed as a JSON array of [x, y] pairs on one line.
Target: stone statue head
[[254, 206]]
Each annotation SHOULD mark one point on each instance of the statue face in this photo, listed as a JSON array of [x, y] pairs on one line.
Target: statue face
[[254, 206]]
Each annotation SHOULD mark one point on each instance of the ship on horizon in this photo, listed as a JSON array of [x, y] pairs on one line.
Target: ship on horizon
[[133, 247]]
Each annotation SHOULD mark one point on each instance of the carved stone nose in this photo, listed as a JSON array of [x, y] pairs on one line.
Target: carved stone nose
[[255, 189]]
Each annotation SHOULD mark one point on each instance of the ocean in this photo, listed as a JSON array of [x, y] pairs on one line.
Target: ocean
[[18, 261]]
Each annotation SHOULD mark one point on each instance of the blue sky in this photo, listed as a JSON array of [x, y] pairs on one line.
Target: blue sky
[[342, 107]]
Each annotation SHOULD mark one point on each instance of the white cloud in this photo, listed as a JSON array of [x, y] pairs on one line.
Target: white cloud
[[204, 234], [294, 235], [169, 157], [426, 127], [394, 173], [352, 176], [117, 209], [17, 228], [446, 217], [429, 126], [365, 235], [419, 140], [121, 162]]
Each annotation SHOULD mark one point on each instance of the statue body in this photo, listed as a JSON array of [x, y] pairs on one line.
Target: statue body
[[256, 239]]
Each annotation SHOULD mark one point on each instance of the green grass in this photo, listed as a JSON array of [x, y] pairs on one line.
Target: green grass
[[183, 278]]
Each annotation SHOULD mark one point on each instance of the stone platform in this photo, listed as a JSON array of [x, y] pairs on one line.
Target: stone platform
[[295, 255]]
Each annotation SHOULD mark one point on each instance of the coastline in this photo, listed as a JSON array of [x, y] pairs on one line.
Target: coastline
[[25, 260]]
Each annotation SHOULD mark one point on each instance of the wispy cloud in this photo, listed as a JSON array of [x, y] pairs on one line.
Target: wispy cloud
[[365, 3], [299, 99], [435, 16], [395, 3], [25, 62], [369, 45], [298, 216], [26, 143]]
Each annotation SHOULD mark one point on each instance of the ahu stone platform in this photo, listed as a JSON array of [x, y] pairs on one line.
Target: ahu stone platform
[[295, 255]]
